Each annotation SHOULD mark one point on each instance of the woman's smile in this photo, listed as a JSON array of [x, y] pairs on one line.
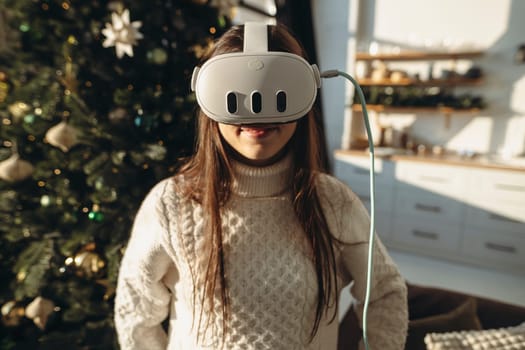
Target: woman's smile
[[257, 144], [258, 131]]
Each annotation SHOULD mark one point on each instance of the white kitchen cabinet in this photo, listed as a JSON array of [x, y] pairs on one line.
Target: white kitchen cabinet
[[467, 213], [495, 220], [428, 208], [495, 248], [355, 172], [431, 237], [443, 180]]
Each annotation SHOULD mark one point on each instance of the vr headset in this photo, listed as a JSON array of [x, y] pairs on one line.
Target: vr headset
[[256, 85]]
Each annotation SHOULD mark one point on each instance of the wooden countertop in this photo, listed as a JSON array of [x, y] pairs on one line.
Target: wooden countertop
[[490, 162]]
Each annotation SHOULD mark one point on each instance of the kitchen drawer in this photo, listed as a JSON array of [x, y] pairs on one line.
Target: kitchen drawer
[[355, 170], [383, 197], [498, 216], [426, 236], [502, 249], [440, 179], [494, 185], [428, 206]]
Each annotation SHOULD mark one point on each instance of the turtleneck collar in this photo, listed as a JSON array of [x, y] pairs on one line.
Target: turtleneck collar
[[253, 181]]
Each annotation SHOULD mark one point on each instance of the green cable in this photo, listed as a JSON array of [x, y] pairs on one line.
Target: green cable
[[331, 74]]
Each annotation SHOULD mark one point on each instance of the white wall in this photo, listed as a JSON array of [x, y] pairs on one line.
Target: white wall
[[335, 40], [495, 26]]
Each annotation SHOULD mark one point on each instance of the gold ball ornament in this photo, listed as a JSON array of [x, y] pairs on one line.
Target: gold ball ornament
[[12, 313], [62, 135], [39, 311], [158, 56], [4, 89], [14, 169], [87, 264], [18, 110]]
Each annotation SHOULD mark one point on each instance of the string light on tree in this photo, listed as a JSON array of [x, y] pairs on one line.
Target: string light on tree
[[95, 214], [118, 115], [29, 119], [74, 181], [145, 122], [158, 56], [45, 200], [18, 110]]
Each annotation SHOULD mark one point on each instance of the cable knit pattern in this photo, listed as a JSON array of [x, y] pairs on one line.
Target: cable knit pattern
[[271, 279]]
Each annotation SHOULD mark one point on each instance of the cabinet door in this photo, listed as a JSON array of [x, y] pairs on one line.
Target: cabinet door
[[424, 205], [424, 236], [496, 200], [497, 216], [497, 185], [438, 179], [494, 248], [429, 209]]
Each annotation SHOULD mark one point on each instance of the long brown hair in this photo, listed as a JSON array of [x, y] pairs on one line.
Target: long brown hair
[[210, 175]]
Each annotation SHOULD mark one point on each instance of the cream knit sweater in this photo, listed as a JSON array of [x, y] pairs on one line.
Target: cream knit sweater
[[271, 279]]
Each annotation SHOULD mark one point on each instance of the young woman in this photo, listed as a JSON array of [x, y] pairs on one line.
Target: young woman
[[250, 244]]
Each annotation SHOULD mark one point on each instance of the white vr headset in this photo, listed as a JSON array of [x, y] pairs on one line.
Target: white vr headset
[[256, 85]]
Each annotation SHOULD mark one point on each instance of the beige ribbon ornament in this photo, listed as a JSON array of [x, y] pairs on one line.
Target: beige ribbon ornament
[[62, 135], [39, 310], [14, 169]]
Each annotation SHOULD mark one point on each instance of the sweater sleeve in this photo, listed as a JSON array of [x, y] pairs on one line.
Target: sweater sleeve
[[387, 319], [142, 299]]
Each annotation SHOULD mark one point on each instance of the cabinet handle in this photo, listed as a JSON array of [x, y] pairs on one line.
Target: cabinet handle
[[503, 218], [509, 187], [425, 234], [426, 207], [500, 247]]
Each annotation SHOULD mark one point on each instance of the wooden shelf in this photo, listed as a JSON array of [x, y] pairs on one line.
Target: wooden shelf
[[408, 109], [452, 81], [418, 56], [414, 82]]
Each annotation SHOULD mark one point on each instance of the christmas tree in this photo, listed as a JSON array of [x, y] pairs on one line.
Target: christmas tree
[[95, 108]]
